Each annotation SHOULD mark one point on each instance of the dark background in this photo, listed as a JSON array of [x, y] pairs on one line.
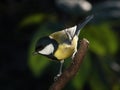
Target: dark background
[[23, 22]]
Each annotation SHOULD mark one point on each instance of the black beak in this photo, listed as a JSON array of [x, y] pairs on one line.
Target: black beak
[[34, 53]]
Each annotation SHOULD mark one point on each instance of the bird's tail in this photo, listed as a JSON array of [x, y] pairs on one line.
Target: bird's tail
[[80, 26]]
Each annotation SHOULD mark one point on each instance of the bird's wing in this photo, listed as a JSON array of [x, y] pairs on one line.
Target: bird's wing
[[75, 30], [67, 35], [70, 32], [60, 37]]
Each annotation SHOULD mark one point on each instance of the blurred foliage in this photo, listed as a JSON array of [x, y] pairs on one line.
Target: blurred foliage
[[24, 22], [37, 63], [74, 7], [33, 19], [103, 40]]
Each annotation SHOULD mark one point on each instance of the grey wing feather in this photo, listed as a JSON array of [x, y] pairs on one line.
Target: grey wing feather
[[75, 30], [70, 32]]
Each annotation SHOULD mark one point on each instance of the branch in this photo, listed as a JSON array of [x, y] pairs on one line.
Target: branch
[[73, 68]]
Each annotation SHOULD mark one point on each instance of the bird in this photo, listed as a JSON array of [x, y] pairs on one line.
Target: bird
[[61, 45]]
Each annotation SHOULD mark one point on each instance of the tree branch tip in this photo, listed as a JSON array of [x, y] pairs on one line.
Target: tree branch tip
[[86, 40]]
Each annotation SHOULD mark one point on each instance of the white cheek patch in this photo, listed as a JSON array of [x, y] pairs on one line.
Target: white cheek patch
[[47, 50]]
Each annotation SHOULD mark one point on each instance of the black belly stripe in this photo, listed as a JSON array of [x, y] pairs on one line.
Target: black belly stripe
[[52, 57]]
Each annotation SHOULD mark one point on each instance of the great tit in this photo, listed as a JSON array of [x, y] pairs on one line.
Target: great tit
[[61, 44]]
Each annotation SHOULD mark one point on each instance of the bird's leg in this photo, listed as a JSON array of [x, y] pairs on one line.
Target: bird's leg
[[60, 70], [74, 55]]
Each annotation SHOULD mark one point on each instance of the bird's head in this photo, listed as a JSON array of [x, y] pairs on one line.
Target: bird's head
[[46, 46]]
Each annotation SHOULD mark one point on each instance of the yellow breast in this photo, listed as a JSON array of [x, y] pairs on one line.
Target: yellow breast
[[64, 50]]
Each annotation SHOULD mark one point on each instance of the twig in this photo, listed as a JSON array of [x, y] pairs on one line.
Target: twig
[[73, 68]]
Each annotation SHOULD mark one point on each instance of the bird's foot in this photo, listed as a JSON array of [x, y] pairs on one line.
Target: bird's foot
[[57, 76]]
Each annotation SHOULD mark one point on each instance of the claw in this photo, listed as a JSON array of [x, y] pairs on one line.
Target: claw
[[56, 77], [60, 71], [74, 54]]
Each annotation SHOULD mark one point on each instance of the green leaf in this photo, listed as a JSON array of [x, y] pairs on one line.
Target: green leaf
[[103, 40], [32, 19], [96, 82], [116, 86], [37, 63]]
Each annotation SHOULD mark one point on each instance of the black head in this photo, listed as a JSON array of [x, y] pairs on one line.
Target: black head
[[46, 46]]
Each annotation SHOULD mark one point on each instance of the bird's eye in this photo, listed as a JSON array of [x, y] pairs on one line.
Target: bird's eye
[[39, 48]]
